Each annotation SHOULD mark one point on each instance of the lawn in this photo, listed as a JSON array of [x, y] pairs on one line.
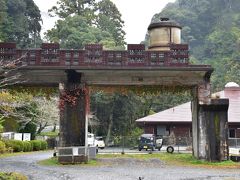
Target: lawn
[[54, 162], [170, 159], [175, 159]]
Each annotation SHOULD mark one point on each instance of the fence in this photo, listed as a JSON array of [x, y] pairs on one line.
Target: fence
[[234, 142], [130, 144]]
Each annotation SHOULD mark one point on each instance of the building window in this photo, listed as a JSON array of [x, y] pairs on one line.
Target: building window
[[232, 133], [163, 130]]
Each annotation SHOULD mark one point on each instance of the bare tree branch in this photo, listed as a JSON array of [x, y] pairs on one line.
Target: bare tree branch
[[8, 71]]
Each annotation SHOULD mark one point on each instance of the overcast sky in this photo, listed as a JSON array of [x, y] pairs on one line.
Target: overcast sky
[[136, 14]]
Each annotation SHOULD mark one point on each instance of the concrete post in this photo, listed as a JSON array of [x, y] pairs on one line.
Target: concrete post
[[72, 115], [213, 125], [73, 110], [195, 125], [209, 127]]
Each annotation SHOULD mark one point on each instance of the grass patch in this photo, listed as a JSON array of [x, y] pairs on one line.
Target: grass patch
[[54, 162], [175, 159], [12, 176], [49, 162], [50, 134], [4, 155]]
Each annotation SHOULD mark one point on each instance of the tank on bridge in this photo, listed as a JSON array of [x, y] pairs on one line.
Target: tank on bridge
[[163, 34]]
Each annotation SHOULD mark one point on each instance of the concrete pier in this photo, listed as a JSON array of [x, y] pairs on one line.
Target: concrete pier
[[210, 130], [73, 110]]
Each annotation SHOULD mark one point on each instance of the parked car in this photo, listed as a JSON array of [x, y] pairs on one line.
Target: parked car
[[149, 142], [99, 142]]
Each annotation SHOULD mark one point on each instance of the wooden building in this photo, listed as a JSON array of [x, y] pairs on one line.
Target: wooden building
[[177, 121]]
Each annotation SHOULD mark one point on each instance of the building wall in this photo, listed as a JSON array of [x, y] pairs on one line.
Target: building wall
[[149, 129], [179, 134], [181, 130]]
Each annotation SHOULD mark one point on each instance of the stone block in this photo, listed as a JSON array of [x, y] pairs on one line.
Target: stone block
[[80, 159], [92, 151], [65, 151], [65, 159]]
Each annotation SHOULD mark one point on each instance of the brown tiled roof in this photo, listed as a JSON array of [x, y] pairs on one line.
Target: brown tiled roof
[[182, 113]]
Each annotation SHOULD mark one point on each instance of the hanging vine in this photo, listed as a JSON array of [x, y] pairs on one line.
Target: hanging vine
[[140, 89], [71, 96]]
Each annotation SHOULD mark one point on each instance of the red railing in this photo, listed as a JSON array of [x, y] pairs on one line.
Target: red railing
[[93, 55]]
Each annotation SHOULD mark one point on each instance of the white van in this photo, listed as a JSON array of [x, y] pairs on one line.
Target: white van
[[91, 139]]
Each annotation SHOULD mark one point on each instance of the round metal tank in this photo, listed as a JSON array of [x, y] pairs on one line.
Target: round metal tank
[[164, 33]]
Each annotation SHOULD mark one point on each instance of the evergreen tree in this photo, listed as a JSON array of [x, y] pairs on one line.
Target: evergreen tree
[[100, 23], [20, 22]]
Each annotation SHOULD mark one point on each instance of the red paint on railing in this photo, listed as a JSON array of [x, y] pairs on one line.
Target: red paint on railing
[[93, 55]]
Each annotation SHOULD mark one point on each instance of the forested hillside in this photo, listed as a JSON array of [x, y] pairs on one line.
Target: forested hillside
[[212, 28]]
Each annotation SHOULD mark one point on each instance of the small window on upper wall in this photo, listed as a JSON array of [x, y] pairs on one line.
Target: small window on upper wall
[[232, 133]]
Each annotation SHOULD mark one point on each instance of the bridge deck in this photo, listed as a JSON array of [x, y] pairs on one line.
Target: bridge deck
[[134, 66]]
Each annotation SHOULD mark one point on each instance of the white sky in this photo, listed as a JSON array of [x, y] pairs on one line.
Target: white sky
[[136, 14]]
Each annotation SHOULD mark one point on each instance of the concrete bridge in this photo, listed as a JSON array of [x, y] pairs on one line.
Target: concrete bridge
[[164, 63], [135, 66]]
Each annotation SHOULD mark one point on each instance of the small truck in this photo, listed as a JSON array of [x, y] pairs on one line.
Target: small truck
[[149, 142]]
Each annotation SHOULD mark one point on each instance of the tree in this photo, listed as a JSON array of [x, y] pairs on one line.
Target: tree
[[108, 18], [10, 103], [41, 111], [102, 108], [48, 112], [87, 22], [66, 8], [20, 22], [3, 17], [7, 77], [74, 32], [30, 127]]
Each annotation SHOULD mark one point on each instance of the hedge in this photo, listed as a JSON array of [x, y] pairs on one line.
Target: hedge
[[44, 145], [16, 145], [26, 146], [38, 145], [2, 147]]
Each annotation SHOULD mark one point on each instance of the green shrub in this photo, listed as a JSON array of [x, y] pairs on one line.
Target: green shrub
[[2, 147], [39, 145], [30, 127], [36, 144], [16, 145], [27, 146], [44, 145], [12, 176]]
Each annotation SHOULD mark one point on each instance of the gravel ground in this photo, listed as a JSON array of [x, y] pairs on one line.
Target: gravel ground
[[112, 169]]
